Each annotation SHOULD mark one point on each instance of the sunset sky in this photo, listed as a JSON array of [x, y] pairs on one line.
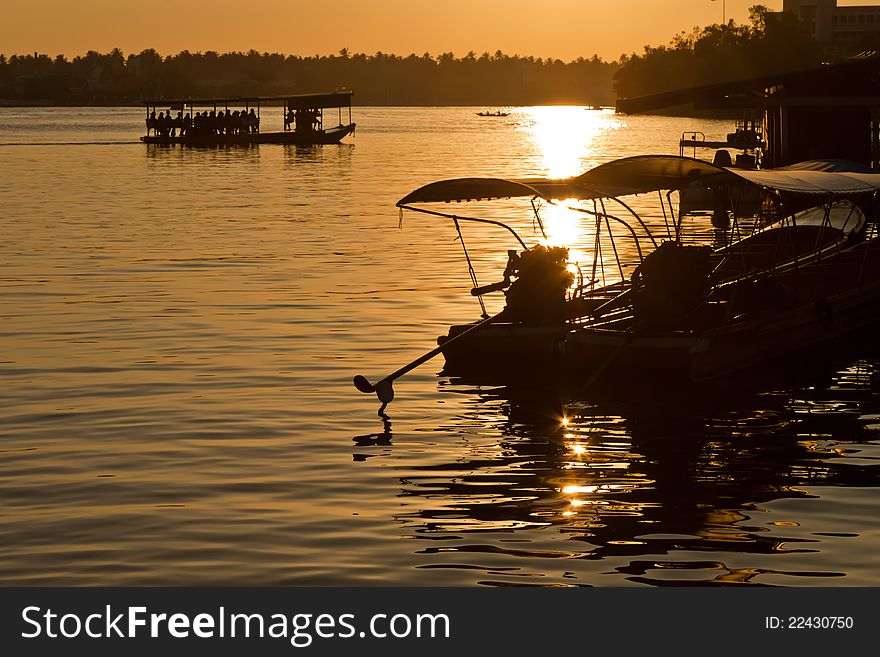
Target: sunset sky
[[565, 29]]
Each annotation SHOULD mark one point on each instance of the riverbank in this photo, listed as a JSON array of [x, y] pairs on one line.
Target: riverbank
[[680, 111]]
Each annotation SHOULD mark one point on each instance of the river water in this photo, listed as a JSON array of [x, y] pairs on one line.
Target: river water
[[179, 332]]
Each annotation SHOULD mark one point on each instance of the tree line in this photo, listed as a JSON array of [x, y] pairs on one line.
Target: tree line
[[770, 42], [378, 79]]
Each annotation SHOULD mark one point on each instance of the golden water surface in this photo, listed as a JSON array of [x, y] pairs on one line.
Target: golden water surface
[[178, 332]]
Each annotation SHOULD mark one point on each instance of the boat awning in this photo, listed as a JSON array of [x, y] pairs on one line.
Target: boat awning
[[825, 183], [627, 176], [294, 101], [827, 177], [484, 189], [318, 101], [650, 173]]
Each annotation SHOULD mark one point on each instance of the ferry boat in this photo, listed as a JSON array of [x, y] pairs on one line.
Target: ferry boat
[[237, 121]]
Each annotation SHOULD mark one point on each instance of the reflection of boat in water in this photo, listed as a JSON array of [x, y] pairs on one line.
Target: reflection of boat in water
[[804, 275], [656, 489], [495, 113], [217, 125]]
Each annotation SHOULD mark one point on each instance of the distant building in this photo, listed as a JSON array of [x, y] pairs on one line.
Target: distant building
[[831, 24]]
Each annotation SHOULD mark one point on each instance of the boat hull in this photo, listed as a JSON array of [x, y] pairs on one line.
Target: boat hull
[[825, 321], [821, 312], [501, 348], [330, 136]]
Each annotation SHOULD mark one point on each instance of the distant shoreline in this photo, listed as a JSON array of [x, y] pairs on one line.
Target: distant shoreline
[[672, 111], [5, 102]]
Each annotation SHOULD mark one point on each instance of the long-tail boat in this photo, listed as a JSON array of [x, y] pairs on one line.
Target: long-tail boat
[[804, 274]]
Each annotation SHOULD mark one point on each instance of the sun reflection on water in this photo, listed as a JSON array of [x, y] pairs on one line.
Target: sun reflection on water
[[565, 138], [564, 226], [565, 135]]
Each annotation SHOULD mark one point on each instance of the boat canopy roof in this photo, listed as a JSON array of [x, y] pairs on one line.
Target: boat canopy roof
[[294, 101], [649, 173]]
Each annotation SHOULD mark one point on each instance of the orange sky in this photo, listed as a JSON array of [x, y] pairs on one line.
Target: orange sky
[[566, 29]]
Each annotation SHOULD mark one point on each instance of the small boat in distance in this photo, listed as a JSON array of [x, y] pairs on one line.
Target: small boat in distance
[[210, 122], [495, 113]]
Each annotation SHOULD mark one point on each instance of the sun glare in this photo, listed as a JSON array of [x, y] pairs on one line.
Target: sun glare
[[564, 136], [562, 225], [570, 490]]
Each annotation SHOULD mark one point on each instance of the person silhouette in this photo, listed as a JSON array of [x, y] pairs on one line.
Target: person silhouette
[[177, 124]]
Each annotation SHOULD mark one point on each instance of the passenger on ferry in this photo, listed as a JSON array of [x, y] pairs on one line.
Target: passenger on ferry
[[177, 124]]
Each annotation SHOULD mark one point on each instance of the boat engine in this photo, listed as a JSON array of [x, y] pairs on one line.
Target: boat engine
[[670, 284], [538, 295]]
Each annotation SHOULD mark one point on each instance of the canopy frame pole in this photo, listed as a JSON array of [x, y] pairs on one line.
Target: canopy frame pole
[[665, 219], [599, 250], [782, 219], [674, 233], [637, 218], [868, 233], [538, 217], [611, 238], [620, 221], [617, 200], [677, 222], [735, 225], [460, 218], [796, 253], [735, 201], [826, 221], [471, 271], [596, 244], [848, 216]]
